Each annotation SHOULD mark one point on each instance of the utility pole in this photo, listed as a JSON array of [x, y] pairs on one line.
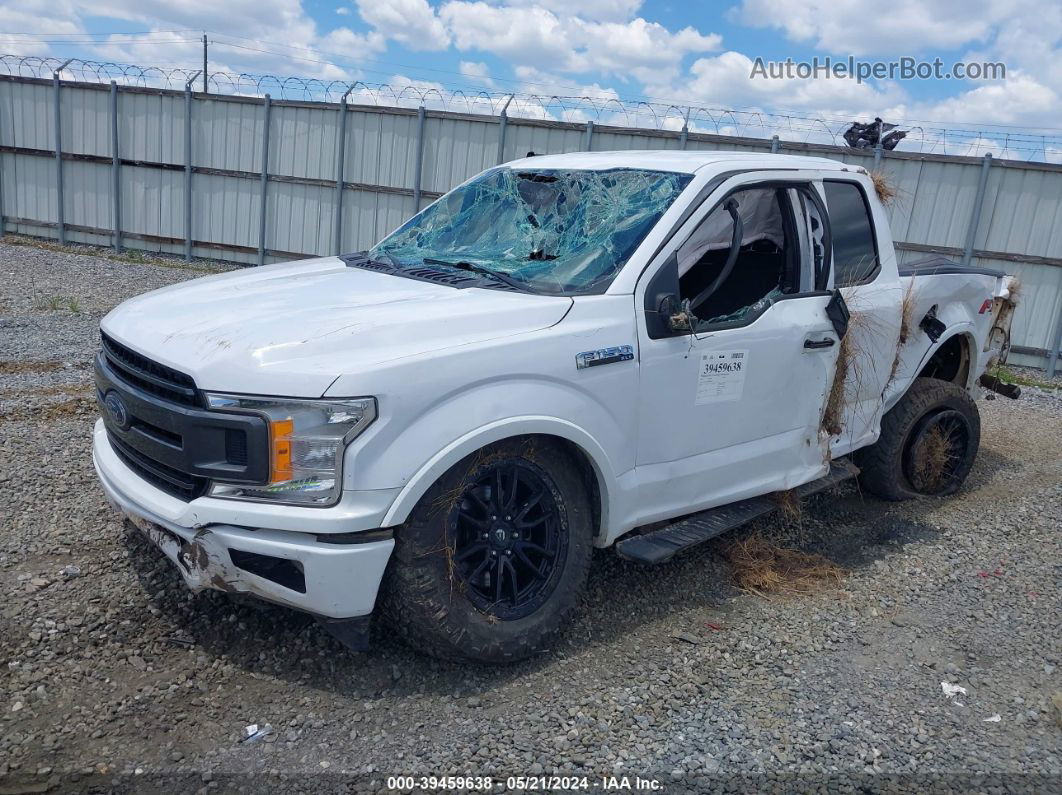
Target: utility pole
[[204, 63]]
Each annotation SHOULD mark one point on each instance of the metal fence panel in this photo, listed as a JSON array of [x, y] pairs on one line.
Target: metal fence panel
[[150, 126], [86, 121], [370, 215], [299, 219], [1020, 229], [26, 113], [542, 140], [605, 141], [1023, 213], [226, 134], [33, 183], [456, 149], [83, 184], [380, 148], [152, 205], [225, 210], [942, 204], [303, 142]]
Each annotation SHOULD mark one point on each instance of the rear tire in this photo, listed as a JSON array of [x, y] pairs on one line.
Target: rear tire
[[928, 443], [491, 561]]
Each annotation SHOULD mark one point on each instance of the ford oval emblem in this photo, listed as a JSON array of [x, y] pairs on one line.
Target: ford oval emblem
[[113, 401]]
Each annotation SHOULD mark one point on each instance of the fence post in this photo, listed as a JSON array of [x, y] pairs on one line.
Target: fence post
[[2, 194], [503, 122], [188, 168], [878, 152], [265, 181], [775, 144], [1052, 360], [975, 219], [116, 165], [685, 135], [418, 164], [341, 146], [589, 136], [59, 155]]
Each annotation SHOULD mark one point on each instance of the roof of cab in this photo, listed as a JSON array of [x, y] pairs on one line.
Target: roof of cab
[[680, 161]]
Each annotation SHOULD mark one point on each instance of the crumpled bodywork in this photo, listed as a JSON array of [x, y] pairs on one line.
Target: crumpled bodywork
[[557, 230], [975, 303]]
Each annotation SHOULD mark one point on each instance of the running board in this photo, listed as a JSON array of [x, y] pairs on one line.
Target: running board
[[659, 546]]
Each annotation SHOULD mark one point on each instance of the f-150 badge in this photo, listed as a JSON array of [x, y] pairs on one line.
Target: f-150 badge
[[620, 353]]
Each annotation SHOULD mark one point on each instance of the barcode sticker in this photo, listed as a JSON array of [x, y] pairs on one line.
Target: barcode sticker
[[722, 376]]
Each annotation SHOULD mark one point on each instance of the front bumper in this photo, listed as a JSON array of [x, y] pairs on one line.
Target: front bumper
[[338, 580]]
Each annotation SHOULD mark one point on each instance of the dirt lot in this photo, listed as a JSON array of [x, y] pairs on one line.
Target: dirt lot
[[114, 677]]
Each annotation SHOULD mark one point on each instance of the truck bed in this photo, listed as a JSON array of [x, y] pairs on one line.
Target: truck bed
[[940, 265]]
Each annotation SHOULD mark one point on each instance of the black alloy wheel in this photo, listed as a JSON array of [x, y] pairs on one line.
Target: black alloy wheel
[[935, 452], [507, 539]]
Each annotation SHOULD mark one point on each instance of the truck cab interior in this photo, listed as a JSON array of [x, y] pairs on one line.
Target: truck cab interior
[[723, 282]]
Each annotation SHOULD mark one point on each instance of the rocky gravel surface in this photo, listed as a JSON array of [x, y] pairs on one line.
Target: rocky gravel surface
[[114, 677]]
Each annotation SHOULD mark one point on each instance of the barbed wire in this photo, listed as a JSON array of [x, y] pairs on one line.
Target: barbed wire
[[601, 108]]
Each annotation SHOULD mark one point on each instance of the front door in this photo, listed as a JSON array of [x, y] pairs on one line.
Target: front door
[[733, 408]]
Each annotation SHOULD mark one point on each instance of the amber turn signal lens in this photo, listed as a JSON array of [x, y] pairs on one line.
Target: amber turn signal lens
[[280, 460]]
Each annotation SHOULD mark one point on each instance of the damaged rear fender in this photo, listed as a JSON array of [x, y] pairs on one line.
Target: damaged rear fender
[[917, 352]]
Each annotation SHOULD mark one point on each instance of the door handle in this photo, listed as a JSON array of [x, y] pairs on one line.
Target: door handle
[[828, 342]]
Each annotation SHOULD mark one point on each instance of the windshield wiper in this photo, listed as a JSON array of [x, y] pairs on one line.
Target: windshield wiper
[[464, 265], [394, 263]]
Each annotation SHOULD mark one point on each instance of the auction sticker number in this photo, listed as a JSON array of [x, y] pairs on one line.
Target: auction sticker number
[[440, 783], [722, 376]]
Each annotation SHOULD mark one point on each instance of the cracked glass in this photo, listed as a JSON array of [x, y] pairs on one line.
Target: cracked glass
[[555, 231]]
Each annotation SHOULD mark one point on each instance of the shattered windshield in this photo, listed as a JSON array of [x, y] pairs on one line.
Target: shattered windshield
[[552, 230]]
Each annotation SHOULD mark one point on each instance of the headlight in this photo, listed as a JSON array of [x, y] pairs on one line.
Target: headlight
[[306, 443]]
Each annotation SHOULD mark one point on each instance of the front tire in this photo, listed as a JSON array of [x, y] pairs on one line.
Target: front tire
[[493, 558], [928, 443]]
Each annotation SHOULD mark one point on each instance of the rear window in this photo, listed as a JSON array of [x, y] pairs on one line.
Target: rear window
[[855, 253]]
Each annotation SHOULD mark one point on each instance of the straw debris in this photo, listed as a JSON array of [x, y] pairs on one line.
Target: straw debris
[[789, 504], [886, 192], [762, 568]]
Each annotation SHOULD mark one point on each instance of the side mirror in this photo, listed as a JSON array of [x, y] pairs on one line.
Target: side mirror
[[678, 314]]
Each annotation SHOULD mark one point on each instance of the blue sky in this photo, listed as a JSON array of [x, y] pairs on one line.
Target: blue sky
[[690, 53]]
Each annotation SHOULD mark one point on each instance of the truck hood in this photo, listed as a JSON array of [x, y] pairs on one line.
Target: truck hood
[[292, 329]]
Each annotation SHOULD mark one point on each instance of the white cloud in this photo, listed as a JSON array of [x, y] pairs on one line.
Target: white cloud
[[542, 95], [344, 40], [726, 80], [539, 38], [521, 35], [640, 48], [597, 10], [1020, 99], [35, 16], [279, 36], [343, 11], [409, 22], [477, 72], [903, 27]]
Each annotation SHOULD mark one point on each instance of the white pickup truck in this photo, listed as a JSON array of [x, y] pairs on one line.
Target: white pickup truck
[[610, 349]]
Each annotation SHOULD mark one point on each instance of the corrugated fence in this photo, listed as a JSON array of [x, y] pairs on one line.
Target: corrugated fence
[[250, 180]]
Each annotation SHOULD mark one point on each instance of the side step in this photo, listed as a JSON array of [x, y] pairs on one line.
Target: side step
[[661, 545]]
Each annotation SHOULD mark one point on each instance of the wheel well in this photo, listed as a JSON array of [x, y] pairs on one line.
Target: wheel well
[[586, 468], [950, 362]]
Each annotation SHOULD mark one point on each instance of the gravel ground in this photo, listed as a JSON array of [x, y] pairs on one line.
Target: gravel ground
[[115, 677]]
